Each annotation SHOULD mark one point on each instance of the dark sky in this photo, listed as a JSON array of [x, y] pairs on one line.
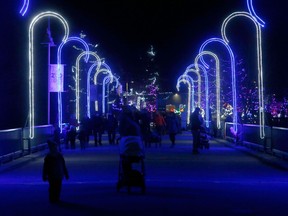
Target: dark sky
[[124, 31]]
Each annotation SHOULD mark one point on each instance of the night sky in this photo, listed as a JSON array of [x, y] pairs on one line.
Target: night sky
[[124, 30]]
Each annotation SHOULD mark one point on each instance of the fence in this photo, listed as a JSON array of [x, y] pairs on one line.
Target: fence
[[275, 141], [15, 143]]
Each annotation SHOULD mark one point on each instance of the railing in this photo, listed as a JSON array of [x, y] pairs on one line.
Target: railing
[[11, 144], [275, 141], [39, 142], [280, 141], [15, 143]]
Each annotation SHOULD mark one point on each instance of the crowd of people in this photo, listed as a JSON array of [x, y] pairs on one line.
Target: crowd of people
[[131, 126], [152, 127]]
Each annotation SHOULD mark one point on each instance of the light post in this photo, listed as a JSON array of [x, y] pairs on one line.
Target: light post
[[32, 60], [50, 43]]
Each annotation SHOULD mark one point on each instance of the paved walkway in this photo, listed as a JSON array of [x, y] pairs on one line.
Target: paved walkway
[[222, 180]]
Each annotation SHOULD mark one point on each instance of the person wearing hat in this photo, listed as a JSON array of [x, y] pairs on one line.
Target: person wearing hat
[[54, 170]]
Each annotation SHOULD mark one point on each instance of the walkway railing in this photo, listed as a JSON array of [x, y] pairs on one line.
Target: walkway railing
[[15, 143], [275, 142]]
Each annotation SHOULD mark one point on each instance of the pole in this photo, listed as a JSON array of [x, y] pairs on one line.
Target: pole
[[48, 109], [50, 43]]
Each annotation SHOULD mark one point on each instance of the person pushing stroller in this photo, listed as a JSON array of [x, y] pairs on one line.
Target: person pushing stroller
[[131, 151]]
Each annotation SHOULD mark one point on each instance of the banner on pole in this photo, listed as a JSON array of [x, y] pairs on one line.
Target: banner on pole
[[56, 78]]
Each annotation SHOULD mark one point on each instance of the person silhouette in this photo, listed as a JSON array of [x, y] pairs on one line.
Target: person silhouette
[[172, 126], [54, 170], [111, 127], [196, 121]]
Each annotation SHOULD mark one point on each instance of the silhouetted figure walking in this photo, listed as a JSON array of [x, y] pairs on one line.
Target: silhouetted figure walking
[[160, 123], [196, 121], [172, 126], [82, 136], [54, 170], [130, 132], [98, 128], [144, 122], [111, 127], [87, 127], [72, 134]]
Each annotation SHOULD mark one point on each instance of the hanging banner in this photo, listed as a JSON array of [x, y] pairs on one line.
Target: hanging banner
[[54, 84]]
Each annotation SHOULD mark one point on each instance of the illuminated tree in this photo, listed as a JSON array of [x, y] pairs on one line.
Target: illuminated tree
[[151, 84]]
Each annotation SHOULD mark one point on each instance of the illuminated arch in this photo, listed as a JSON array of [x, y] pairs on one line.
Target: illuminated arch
[[88, 87], [203, 69], [259, 63], [59, 59], [217, 81], [186, 79], [98, 60], [31, 61], [105, 70], [253, 13], [24, 7], [233, 74], [107, 80], [191, 70]]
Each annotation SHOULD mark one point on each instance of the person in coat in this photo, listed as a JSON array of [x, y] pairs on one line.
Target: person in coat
[[54, 170], [196, 121], [172, 127]]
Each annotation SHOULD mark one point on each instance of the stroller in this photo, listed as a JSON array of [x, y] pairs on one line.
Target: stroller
[[204, 139], [131, 164], [152, 137]]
